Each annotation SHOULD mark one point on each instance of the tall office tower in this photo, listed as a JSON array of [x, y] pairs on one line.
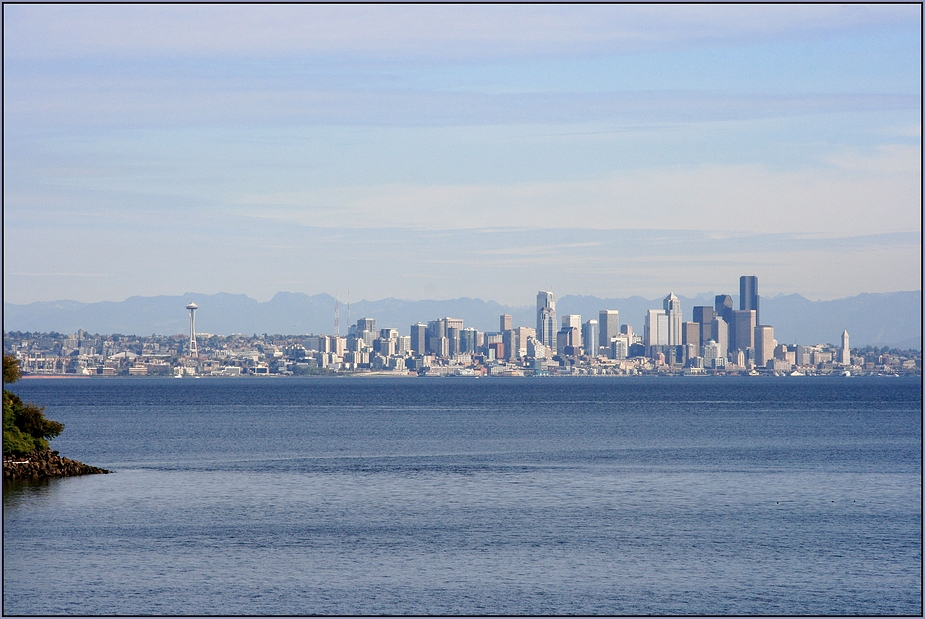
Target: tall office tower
[[721, 335], [389, 334], [436, 331], [384, 346], [609, 325], [845, 349], [655, 331], [546, 327], [366, 324], [568, 339], [619, 347], [511, 340], [591, 337], [690, 334], [711, 352], [703, 315], [723, 307], [193, 346], [506, 322], [442, 346], [672, 306], [452, 334], [535, 348], [573, 321], [419, 338], [764, 344], [743, 329], [436, 328], [524, 334], [467, 340], [748, 294]]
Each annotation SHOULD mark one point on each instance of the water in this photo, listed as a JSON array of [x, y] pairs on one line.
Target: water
[[463, 496]]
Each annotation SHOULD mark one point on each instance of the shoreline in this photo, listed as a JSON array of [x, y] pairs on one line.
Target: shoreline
[[44, 464]]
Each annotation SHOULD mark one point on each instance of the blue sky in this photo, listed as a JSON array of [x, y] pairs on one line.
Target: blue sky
[[450, 150]]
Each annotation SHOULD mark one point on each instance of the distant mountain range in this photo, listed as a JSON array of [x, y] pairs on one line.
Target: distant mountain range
[[883, 319]]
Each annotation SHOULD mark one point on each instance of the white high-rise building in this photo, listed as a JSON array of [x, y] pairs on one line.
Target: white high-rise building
[[609, 324], [672, 307], [711, 352], [573, 321], [546, 327], [764, 345], [619, 347], [590, 337], [721, 334], [845, 349], [655, 331]]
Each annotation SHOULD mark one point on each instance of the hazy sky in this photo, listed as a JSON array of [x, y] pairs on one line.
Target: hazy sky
[[445, 151]]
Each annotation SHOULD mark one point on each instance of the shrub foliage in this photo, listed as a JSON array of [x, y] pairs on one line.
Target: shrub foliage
[[25, 428]]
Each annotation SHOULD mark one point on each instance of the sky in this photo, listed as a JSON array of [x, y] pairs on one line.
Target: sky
[[445, 151]]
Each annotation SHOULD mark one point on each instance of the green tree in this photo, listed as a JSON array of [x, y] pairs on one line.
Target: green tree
[[11, 372], [25, 427]]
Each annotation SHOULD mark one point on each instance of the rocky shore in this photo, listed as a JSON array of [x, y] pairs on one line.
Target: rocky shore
[[43, 464]]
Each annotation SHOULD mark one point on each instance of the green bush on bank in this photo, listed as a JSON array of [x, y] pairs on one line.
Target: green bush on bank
[[25, 428]]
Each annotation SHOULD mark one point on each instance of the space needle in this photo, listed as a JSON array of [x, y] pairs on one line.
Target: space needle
[[193, 348]]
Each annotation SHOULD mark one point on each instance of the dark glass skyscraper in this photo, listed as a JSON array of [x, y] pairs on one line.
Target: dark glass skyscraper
[[748, 294], [723, 306]]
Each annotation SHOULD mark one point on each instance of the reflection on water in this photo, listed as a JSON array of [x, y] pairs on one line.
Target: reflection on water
[[15, 491]]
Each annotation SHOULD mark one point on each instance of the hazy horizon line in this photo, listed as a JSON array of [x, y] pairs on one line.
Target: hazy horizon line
[[344, 300]]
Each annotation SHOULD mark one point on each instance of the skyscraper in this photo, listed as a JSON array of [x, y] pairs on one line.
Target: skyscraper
[[764, 345], [748, 294], [452, 334], [655, 330], [690, 334], [590, 337], [845, 349], [723, 307], [609, 325], [743, 329], [507, 322], [721, 336], [704, 314], [511, 340], [468, 340], [546, 327], [672, 306], [419, 338], [573, 321]]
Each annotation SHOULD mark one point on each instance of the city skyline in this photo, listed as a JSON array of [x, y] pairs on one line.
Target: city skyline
[[425, 152]]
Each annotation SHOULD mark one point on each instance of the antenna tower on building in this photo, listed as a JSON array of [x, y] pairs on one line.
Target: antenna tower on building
[[336, 317], [193, 348]]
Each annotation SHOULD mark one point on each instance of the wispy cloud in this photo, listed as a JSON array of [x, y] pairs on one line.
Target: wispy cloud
[[879, 189], [456, 31], [130, 103], [412, 149]]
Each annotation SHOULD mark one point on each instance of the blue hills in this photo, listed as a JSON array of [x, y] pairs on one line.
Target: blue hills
[[880, 319]]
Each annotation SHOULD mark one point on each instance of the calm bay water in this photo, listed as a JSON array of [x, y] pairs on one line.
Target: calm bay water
[[463, 496]]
